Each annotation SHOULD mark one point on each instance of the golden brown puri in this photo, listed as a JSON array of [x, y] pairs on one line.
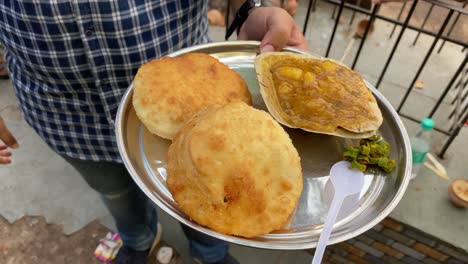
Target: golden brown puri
[[234, 169], [317, 95], [168, 91]]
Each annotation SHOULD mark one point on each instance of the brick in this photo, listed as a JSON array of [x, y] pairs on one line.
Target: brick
[[379, 237], [365, 239], [420, 237], [392, 224], [373, 260], [454, 261], [339, 251], [430, 261], [377, 227], [453, 252], [431, 252], [391, 260], [351, 249], [357, 259], [398, 237], [388, 250], [410, 260], [326, 259], [339, 259], [369, 249], [408, 251]]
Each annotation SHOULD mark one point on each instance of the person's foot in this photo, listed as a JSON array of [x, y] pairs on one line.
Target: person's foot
[[216, 18], [228, 259], [161, 252], [291, 7], [164, 254], [129, 256]]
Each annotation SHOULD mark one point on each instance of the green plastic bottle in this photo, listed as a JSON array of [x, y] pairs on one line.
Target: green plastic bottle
[[421, 144]]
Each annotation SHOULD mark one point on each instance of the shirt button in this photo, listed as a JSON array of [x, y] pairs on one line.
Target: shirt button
[[89, 33]]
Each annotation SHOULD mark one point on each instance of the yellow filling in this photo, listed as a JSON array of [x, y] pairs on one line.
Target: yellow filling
[[321, 95]]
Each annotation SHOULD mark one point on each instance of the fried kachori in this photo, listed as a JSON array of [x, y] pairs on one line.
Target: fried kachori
[[317, 95], [234, 169], [168, 91]]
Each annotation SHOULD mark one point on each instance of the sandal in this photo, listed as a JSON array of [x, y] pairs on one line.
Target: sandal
[[161, 252]]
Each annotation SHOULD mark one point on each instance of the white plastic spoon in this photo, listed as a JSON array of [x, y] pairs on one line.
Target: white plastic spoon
[[345, 182]]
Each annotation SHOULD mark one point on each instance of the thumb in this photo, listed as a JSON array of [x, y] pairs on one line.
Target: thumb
[[243, 33], [276, 37]]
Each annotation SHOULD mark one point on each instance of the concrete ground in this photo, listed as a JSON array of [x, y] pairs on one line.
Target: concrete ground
[[46, 243], [39, 182]]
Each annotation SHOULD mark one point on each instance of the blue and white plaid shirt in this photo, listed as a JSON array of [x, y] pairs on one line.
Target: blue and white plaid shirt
[[71, 61]]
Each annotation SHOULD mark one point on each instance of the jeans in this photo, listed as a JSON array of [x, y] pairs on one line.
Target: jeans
[[134, 214]]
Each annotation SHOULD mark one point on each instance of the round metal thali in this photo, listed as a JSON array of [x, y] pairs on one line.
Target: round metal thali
[[144, 156]]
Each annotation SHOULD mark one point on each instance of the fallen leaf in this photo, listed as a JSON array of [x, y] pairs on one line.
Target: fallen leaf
[[419, 84]]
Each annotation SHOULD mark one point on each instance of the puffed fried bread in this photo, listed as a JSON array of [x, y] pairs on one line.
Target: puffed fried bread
[[168, 91], [234, 169]]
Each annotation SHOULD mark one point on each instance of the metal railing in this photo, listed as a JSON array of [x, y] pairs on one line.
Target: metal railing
[[459, 115], [458, 82]]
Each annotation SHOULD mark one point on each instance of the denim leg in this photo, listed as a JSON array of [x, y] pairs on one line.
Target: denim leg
[[134, 215], [207, 248]]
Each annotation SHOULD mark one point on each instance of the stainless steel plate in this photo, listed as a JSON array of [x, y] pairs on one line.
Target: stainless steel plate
[[144, 156]]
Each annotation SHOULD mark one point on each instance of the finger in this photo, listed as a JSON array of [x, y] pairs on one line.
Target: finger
[[277, 35], [5, 153], [242, 34], [297, 40], [3, 146], [5, 160], [6, 136]]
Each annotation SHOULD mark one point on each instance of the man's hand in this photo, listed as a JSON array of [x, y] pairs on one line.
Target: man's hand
[[274, 27], [6, 140]]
